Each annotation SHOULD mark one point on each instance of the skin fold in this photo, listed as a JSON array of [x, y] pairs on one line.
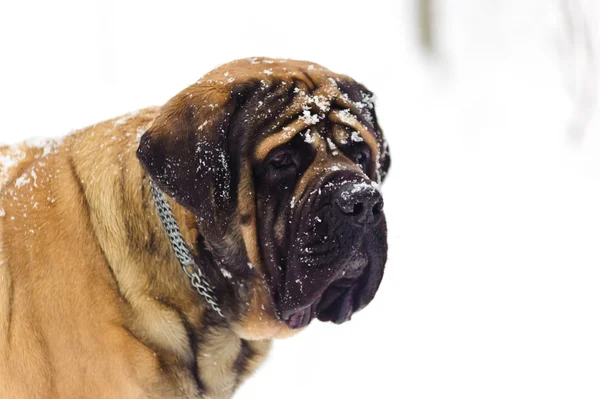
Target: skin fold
[[93, 302]]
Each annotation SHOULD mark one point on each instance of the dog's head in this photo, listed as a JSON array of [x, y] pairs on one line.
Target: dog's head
[[280, 163]]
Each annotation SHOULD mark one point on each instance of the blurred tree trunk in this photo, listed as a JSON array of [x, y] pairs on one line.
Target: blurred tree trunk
[[577, 47], [426, 22]]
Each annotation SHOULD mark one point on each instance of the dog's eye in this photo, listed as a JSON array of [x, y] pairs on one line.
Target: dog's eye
[[362, 159], [282, 160]]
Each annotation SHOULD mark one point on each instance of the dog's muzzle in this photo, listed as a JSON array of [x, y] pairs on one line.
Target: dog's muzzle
[[335, 263]]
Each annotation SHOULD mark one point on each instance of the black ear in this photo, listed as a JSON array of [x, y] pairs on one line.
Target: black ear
[[184, 152], [385, 160]]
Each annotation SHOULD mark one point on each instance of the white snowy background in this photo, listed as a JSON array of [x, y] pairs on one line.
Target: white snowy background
[[492, 289]]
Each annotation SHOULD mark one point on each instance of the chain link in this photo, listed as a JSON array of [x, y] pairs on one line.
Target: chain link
[[182, 251]]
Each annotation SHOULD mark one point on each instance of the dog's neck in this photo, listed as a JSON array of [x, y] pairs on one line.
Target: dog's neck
[[161, 309]]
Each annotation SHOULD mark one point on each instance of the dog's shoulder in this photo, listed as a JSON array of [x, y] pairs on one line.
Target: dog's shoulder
[[60, 306]]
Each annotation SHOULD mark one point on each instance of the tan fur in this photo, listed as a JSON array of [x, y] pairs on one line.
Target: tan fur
[[259, 322], [93, 303], [247, 209], [280, 138], [78, 276]]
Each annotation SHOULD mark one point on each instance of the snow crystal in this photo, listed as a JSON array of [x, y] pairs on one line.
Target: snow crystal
[[320, 101], [34, 175], [47, 145], [332, 146], [341, 137], [308, 137], [226, 273], [22, 180], [347, 117], [8, 161], [202, 125], [299, 282], [123, 120], [309, 118], [368, 99], [369, 186], [268, 71], [360, 186], [139, 132], [356, 137]]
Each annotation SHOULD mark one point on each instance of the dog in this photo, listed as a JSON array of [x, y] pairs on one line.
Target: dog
[[156, 255]]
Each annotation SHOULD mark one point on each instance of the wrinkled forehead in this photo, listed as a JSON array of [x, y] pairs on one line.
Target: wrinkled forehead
[[292, 97]]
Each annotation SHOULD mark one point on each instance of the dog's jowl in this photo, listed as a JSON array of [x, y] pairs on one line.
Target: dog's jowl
[[155, 255]]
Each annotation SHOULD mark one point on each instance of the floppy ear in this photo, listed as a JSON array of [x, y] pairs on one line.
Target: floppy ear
[[384, 160], [185, 152]]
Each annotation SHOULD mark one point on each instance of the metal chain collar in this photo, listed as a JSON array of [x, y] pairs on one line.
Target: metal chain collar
[[182, 251]]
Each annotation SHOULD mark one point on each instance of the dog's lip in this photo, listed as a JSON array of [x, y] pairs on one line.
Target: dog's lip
[[336, 303], [339, 309], [300, 318]]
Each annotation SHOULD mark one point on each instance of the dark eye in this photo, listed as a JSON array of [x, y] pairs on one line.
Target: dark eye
[[361, 158], [282, 160]]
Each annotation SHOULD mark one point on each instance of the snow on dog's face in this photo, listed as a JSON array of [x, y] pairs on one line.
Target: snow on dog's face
[[280, 162]]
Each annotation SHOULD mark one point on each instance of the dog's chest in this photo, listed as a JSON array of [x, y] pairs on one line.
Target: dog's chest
[[222, 362]]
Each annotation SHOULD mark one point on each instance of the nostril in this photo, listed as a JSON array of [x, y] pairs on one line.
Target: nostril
[[351, 209], [358, 209], [378, 208]]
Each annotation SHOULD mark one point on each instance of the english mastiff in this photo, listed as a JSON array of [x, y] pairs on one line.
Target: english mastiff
[[155, 255]]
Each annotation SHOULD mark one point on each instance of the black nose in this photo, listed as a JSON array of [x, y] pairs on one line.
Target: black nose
[[360, 201]]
